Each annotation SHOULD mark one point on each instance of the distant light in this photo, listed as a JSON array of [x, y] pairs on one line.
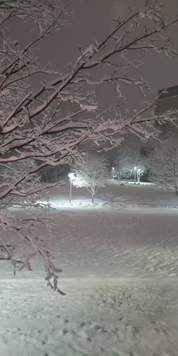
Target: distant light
[[71, 176], [113, 168], [135, 167]]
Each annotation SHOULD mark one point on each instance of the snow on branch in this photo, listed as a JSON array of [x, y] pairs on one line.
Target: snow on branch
[[48, 123], [91, 172]]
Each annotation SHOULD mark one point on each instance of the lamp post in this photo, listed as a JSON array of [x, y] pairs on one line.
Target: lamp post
[[135, 174], [138, 175], [71, 176], [113, 171], [70, 198]]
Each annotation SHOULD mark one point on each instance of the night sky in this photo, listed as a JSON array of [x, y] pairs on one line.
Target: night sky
[[93, 19]]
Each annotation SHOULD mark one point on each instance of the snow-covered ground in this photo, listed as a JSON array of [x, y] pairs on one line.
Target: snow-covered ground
[[115, 194], [120, 275]]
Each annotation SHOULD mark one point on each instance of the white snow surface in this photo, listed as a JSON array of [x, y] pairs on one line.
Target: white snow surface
[[120, 274]]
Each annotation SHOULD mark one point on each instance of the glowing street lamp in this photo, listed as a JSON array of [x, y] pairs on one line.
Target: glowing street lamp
[[113, 171]]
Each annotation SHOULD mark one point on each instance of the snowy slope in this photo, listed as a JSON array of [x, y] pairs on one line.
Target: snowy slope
[[120, 269], [116, 195]]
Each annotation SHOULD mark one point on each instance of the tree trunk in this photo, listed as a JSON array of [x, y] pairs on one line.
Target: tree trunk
[[93, 198]]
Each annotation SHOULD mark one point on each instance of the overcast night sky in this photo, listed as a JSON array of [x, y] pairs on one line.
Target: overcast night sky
[[93, 19]]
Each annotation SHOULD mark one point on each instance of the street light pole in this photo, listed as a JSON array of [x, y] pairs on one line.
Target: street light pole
[[135, 174], [113, 172], [71, 178], [70, 199]]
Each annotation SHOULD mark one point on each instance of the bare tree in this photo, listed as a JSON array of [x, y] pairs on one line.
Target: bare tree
[[32, 124], [91, 172], [162, 164]]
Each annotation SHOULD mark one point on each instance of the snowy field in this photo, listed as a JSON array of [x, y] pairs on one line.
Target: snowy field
[[120, 275]]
